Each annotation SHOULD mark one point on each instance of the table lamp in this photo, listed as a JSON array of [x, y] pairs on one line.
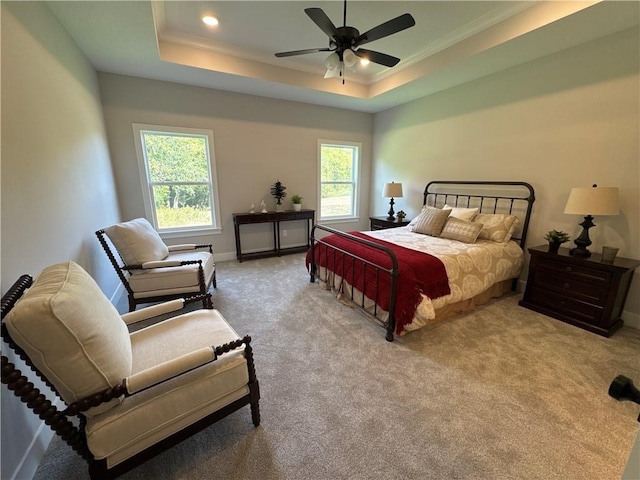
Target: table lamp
[[590, 201], [392, 190]]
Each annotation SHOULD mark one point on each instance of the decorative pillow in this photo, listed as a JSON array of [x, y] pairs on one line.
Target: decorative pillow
[[430, 221], [72, 333], [137, 242], [466, 214], [461, 230], [498, 227]]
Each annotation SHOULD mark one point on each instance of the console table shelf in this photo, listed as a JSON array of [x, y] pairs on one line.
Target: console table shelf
[[274, 218]]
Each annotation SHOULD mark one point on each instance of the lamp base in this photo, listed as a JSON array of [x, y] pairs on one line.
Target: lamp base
[[391, 218], [583, 241]]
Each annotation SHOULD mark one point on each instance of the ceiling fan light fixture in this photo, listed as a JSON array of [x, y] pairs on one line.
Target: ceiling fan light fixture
[[332, 62], [364, 61], [349, 58], [210, 20]]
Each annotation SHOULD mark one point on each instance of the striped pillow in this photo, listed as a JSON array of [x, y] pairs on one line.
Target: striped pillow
[[430, 221]]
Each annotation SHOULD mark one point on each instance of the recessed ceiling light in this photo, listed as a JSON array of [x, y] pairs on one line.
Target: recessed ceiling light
[[210, 20]]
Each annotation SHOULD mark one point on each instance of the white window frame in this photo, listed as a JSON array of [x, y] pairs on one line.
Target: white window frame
[[147, 186], [355, 180]]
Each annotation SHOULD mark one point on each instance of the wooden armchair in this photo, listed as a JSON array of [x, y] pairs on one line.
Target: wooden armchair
[[128, 396], [153, 271]]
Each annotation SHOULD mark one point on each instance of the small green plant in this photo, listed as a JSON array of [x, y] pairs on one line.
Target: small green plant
[[401, 215], [557, 236], [295, 198]]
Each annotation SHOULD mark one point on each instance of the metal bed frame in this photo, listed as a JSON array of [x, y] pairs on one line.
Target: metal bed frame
[[514, 198]]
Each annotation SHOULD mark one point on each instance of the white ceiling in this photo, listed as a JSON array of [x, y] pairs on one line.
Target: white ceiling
[[452, 42]]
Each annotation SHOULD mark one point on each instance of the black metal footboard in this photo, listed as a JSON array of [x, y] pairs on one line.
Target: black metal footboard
[[334, 273]]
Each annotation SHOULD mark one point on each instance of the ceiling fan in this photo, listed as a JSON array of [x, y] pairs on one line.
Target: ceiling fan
[[345, 41]]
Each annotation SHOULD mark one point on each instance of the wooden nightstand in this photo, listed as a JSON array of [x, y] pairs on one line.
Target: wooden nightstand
[[380, 223], [580, 291]]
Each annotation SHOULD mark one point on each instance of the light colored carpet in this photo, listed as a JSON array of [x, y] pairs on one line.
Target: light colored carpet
[[498, 393]]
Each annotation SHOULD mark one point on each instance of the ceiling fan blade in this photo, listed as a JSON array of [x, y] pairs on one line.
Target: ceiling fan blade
[[321, 20], [302, 52], [377, 57], [385, 29]]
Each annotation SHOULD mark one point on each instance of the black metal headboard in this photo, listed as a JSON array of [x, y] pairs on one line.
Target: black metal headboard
[[513, 198]]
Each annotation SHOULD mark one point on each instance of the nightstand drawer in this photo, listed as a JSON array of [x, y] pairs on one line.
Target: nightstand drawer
[[580, 272], [572, 286], [582, 311]]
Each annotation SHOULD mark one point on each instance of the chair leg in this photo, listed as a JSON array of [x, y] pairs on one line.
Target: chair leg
[[254, 393], [132, 303], [215, 282]]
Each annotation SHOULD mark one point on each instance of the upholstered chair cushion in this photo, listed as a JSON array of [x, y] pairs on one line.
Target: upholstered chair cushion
[[173, 280], [72, 333], [153, 414], [137, 242]]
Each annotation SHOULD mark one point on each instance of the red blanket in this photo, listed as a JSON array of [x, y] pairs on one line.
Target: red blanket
[[418, 273]]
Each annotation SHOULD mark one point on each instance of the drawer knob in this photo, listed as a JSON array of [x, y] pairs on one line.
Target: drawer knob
[[568, 269], [566, 285]]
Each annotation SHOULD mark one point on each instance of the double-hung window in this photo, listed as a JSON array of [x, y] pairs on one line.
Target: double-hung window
[[178, 176], [338, 165]]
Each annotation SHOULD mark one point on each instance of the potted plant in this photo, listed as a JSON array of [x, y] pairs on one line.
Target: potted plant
[[555, 239], [278, 192], [296, 200], [401, 215]]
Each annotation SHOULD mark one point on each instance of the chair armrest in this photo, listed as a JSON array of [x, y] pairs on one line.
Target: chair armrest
[[169, 369], [153, 311], [188, 246]]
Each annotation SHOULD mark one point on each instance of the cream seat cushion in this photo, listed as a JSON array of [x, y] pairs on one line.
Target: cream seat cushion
[[151, 415], [72, 333], [137, 242], [172, 280]]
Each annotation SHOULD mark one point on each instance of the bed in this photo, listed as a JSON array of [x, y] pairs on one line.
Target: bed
[[465, 247]]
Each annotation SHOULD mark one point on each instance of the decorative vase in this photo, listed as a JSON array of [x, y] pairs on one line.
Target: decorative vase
[[554, 247], [279, 207], [297, 207]]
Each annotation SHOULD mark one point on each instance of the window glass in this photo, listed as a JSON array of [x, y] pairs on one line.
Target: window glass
[[338, 179], [178, 177]]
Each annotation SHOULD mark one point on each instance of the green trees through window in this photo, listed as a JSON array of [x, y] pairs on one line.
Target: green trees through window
[[178, 177], [338, 175]]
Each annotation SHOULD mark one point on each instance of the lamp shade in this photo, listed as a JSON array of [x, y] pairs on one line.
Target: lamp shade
[[393, 190], [593, 201]]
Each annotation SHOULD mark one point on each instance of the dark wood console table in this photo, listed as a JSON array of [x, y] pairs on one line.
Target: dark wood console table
[[274, 218]]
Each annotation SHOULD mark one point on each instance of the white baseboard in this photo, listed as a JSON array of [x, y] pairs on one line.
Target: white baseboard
[[30, 461]]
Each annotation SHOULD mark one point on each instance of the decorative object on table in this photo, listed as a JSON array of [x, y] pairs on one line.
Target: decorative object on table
[[609, 254], [401, 215], [555, 239], [252, 209], [278, 192], [392, 190], [263, 206], [296, 200], [590, 201]]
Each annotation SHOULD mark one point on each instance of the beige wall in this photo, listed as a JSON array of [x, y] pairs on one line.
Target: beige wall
[[256, 140], [566, 120], [57, 184]]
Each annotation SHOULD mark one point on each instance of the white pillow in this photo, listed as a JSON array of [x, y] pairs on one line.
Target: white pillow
[[465, 214], [72, 334], [137, 242]]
